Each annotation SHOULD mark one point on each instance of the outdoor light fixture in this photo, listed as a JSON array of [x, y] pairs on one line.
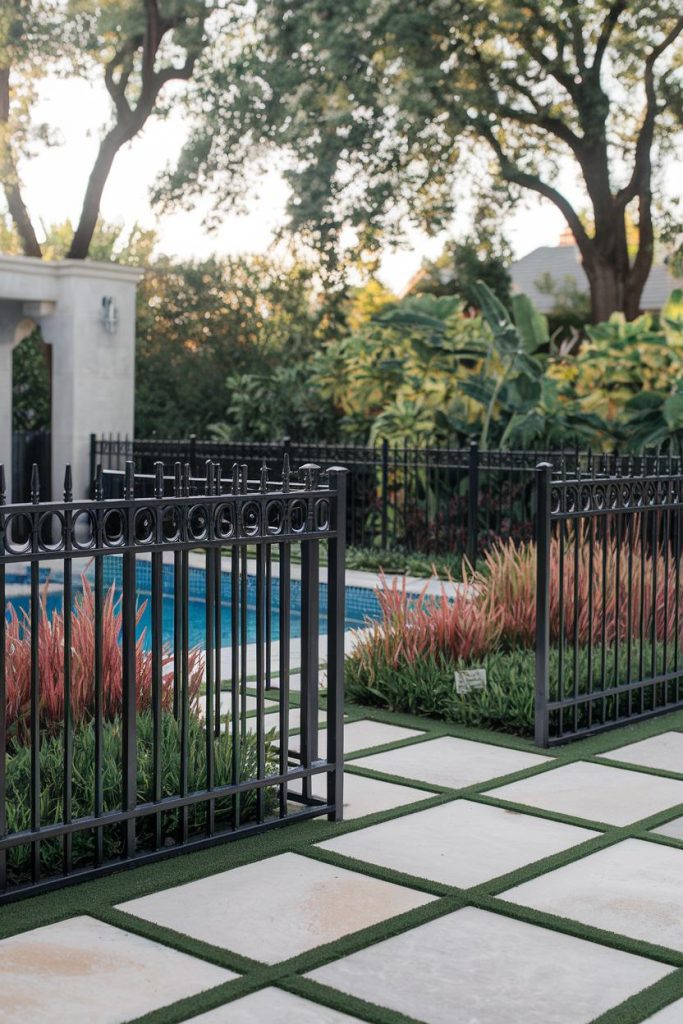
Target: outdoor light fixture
[[109, 316]]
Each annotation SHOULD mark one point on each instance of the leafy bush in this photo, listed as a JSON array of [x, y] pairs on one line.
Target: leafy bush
[[18, 781], [207, 330], [629, 375], [51, 666]]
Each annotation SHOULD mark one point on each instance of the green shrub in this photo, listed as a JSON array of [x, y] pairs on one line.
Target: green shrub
[[18, 780], [427, 688]]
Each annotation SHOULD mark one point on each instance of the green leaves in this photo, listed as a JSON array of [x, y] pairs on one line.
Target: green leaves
[[672, 408], [531, 325], [505, 334]]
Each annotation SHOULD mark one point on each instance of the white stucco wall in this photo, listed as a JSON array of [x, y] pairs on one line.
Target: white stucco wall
[[93, 372]]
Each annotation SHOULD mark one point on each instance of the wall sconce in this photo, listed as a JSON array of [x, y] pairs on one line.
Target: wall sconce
[[109, 315]]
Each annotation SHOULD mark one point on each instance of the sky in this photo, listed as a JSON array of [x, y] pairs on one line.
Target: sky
[[55, 178]]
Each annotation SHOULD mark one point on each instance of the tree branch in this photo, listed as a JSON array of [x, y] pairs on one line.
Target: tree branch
[[10, 178], [555, 67], [577, 32], [642, 168], [539, 116], [515, 175], [130, 119], [123, 58], [608, 26]]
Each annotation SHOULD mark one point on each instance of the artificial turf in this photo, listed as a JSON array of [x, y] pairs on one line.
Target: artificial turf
[[98, 898]]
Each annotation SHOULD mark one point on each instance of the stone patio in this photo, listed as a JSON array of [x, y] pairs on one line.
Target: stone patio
[[462, 861]]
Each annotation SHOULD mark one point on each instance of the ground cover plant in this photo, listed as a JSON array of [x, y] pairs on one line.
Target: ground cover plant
[[602, 632], [18, 782], [410, 563], [52, 739]]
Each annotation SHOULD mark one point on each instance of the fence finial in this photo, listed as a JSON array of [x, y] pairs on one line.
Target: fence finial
[[309, 474], [68, 484], [158, 479], [35, 484], [99, 488], [244, 478], [177, 479], [129, 482], [264, 477], [286, 472]]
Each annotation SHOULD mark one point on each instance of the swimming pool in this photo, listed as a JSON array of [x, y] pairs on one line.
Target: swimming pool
[[361, 602]]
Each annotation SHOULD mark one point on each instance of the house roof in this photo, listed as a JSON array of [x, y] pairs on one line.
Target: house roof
[[563, 263]]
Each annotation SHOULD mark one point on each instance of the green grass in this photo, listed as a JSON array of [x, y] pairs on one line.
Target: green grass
[[410, 563], [99, 898]]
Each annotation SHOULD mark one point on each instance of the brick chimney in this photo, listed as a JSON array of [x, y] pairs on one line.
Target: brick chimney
[[567, 237]]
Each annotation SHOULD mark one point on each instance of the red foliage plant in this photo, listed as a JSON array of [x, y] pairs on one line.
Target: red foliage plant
[[461, 627], [51, 666], [496, 608]]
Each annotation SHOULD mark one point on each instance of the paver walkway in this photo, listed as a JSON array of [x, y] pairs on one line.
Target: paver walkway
[[475, 880]]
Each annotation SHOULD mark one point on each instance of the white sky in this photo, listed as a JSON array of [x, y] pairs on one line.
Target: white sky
[[54, 182]]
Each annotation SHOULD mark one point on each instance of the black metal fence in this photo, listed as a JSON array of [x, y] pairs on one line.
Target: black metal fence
[[609, 615], [130, 722], [29, 447], [431, 500]]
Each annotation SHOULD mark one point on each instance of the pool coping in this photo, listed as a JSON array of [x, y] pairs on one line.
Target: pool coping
[[357, 578]]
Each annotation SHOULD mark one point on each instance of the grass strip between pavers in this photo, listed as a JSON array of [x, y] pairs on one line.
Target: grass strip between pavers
[[98, 898]]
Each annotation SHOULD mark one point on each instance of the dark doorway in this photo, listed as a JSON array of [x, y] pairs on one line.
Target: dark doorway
[[31, 407]]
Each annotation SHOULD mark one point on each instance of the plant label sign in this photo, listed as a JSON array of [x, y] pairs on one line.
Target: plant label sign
[[470, 679]]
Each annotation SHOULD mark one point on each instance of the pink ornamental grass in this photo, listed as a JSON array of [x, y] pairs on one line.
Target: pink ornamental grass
[[51, 666]]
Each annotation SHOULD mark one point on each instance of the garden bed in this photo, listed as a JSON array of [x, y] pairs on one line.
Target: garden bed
[[601, 637]]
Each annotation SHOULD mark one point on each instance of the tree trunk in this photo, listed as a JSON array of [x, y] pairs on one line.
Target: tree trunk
[[22, 222], [614, 285], [607, 284], [10, 183], [615, 288], [80, 243]]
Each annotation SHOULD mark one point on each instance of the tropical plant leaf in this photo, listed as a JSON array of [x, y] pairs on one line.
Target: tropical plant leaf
[[531, 325]]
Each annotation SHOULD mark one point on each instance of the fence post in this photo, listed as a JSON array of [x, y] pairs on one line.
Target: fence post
[[335, 644], [93, 465], [128, 664], [473, 504], [193, 452], [543, 478], [3, 685], [310, 619], [384, 493]]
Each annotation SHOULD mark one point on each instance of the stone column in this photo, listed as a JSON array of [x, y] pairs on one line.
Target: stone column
[[93, 369]]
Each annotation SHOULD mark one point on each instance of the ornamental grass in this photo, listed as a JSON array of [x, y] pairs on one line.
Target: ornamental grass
[[599, 594], [51, 666]]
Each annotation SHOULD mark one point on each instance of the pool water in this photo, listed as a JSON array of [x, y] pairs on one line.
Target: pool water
[[361, 603]]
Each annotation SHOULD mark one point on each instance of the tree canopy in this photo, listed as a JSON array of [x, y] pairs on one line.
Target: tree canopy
[[137, 47], [380, 106]]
